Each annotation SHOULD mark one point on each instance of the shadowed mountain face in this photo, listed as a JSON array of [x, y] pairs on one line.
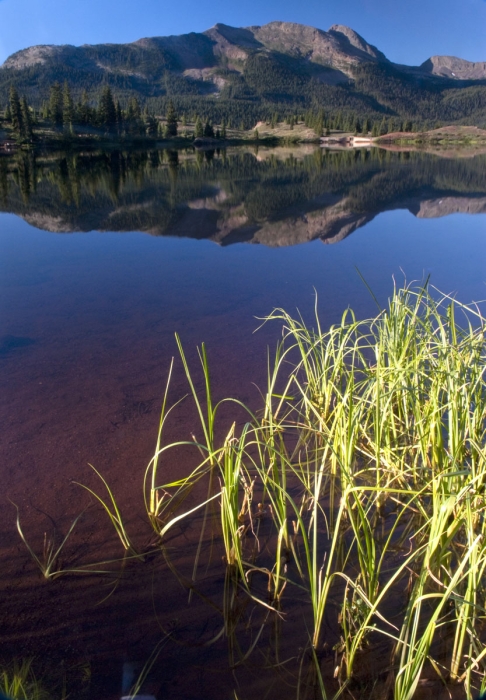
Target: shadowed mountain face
[[271, 197], [340, 47], [457, 68], [279, 65]]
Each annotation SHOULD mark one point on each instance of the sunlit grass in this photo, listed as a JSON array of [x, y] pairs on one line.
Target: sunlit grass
[[367, 464], [18, 682]]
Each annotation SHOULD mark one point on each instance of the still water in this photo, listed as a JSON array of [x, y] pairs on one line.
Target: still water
[[103, 257]]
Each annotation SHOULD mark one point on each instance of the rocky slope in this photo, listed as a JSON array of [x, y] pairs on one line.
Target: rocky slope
[[456, 68], [340, 47]]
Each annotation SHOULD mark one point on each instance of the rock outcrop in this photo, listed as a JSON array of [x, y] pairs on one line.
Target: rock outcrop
[[452, 67]]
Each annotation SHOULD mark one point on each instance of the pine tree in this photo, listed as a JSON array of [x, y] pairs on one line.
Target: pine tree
[[208, 130], [55, 104], [67, 108], [319, 125], [133, 111], [171, 120], [119, 116], [26, 129], [151, 125], [15, 111], [106, 109], [223, 129], [84, 111], [198, 128]]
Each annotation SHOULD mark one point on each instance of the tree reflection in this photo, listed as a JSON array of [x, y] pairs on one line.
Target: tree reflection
[[159, 190]]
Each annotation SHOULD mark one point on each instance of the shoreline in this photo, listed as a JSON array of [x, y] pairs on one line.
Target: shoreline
[[458, 137]]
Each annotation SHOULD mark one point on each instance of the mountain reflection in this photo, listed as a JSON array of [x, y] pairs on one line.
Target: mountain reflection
[[275, 198]]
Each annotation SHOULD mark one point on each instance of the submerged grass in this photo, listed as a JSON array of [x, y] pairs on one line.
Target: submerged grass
[[366, 468], [18, 682]]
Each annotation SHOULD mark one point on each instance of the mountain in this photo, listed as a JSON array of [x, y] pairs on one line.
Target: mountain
[[250, 72], [452, 67], [339, 48]]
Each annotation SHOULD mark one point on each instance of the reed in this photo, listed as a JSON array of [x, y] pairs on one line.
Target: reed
[[18, 682], [391, 412], [110, 506], [368, 458], [49, 562], [365, 467]]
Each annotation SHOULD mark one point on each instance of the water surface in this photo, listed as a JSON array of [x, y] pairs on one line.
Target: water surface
[[103, 257]]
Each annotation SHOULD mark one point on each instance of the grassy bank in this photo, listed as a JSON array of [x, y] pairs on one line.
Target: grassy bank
[[45, 136], [356, 488], [443, 136]]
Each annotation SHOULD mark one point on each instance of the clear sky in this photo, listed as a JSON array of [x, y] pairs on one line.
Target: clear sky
[[407, 31]]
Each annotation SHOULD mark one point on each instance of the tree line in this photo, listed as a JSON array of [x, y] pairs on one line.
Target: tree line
[[268, 82], [62, 113], [105, 113]]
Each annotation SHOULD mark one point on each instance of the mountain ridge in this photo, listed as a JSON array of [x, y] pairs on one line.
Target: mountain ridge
[[272, 34], [279, 63]]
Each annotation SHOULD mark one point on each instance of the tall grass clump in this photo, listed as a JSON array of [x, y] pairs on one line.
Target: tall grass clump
[[18, 682], [368, 458], [358, 488], [396, 406]]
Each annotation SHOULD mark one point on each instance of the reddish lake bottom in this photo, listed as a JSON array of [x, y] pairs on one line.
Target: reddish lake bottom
[[85, 347]]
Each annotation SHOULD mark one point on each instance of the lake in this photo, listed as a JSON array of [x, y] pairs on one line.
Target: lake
[[104, 256]]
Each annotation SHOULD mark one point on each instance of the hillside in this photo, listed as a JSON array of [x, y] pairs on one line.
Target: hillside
[[249, 73]]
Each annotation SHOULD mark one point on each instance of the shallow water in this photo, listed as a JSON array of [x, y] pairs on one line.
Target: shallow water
[[103, 257]]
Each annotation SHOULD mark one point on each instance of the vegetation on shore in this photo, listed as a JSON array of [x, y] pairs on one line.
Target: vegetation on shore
[[62, 121], [102, 118], [442, 136], [357, 488]]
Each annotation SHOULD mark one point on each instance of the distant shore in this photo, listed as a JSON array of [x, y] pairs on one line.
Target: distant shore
[[470, 137], [467, 135]]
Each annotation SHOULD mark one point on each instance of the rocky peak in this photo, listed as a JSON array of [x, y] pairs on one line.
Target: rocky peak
[[34, 55], [333, 48], [452, 67], [347, 34], [232, 43]]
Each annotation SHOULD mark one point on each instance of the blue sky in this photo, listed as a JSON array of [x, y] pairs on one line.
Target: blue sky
[[407, 31]]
